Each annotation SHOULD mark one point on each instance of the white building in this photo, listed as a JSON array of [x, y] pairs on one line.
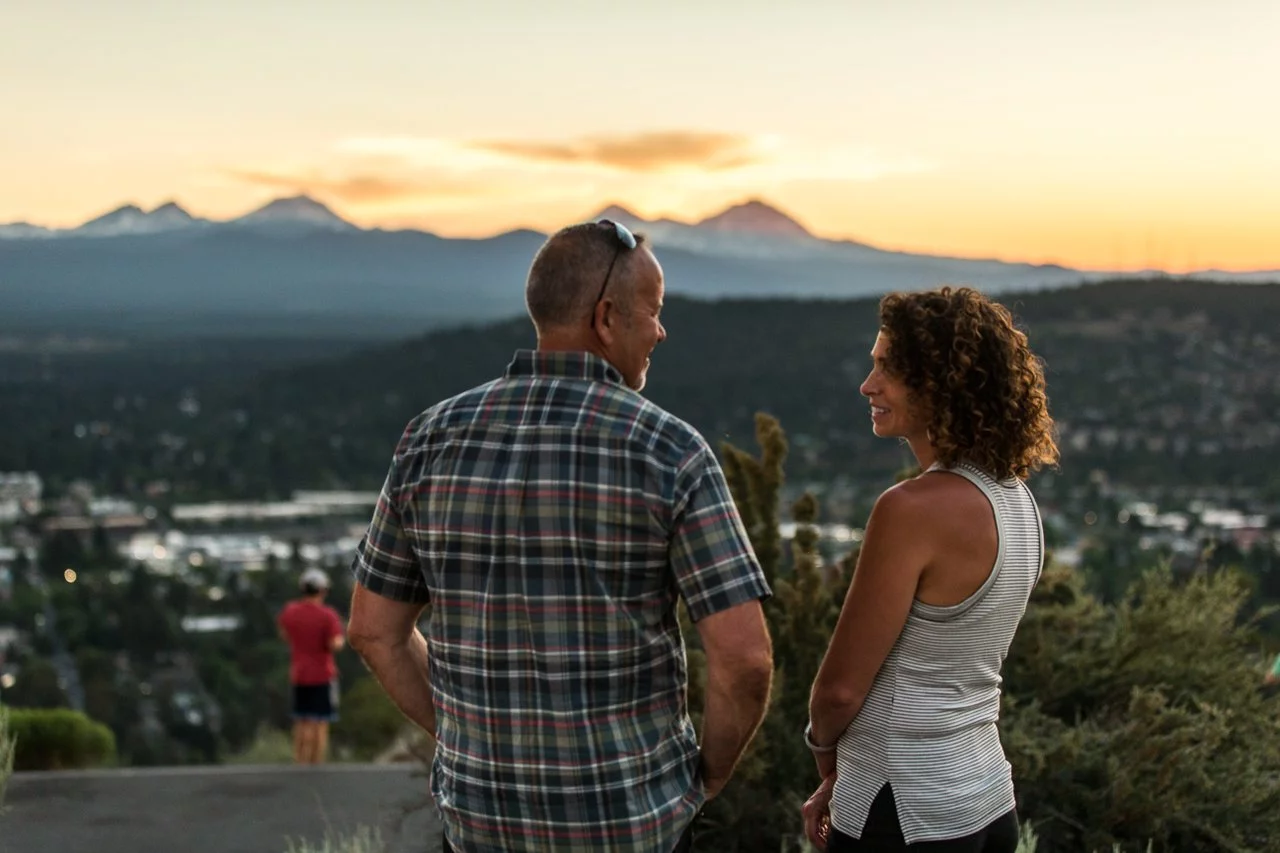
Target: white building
[[305, 504], [20, 486]]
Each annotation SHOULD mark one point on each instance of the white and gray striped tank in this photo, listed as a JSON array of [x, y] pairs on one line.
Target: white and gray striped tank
[[928, 726]]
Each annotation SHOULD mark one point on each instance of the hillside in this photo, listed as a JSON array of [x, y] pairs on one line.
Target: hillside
[[1159, 383]]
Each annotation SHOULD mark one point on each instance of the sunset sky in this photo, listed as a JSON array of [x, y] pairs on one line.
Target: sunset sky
[[1110, 134]]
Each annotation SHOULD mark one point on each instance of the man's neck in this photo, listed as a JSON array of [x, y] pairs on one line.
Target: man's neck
[[569, 341]]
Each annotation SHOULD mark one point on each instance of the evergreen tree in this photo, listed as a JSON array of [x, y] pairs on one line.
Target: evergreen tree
[[759, 809], [1143, 721]]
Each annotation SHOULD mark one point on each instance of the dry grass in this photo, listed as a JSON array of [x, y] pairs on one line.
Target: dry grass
[[363, 840]]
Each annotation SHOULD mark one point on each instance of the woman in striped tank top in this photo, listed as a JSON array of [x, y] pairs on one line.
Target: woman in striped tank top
[[904, 708]]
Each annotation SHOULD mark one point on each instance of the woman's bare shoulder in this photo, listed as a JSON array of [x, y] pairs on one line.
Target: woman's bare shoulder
[[932, 496]]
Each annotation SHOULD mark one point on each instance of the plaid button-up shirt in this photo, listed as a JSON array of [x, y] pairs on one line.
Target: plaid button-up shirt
[[552, 518]]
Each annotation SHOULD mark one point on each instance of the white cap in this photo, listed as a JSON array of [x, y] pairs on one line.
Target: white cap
[[314, 578]]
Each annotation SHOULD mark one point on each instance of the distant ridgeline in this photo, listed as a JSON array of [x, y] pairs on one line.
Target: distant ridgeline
[[1157, 382], [293, 267]]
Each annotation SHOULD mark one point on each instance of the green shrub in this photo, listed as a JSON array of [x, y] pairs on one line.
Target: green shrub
[[269, 746], [59, 739], [1141, 724], [368, 721]]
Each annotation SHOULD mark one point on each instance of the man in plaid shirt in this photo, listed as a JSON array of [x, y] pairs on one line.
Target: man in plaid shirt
[[552, 519]]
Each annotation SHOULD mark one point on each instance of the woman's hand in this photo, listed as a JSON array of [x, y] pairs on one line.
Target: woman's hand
[[817, 813]]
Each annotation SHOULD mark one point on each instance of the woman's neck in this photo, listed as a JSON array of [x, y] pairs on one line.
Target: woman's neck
[[924, 451]]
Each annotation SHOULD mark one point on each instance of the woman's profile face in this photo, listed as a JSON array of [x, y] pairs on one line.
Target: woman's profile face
[[893, 414]]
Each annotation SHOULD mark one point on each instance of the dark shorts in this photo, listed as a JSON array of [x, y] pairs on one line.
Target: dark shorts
[[316, 702], [883, 834]]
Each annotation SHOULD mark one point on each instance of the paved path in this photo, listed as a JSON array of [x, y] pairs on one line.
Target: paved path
[[227, 809]]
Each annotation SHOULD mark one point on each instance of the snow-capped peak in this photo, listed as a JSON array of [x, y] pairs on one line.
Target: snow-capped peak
[[171, 212], [755, 217], [297, 211], [131, 219]]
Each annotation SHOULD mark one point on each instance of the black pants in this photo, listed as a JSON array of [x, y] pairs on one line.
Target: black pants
[[883, 834], [684, 845]]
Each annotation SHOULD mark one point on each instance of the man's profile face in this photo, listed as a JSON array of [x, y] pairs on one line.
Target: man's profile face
[[638, 331]]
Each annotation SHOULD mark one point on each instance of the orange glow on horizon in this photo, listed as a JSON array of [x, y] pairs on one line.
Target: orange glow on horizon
[[1122, 240], [1227, 246], [1094, 135]]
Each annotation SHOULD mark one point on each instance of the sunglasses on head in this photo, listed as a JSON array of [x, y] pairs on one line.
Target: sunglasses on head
[[626, 240]]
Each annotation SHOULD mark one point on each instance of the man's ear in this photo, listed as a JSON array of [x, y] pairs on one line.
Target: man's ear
[[606, 316]]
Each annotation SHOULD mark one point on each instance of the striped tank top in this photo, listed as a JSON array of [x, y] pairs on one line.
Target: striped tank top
[[928, 725]]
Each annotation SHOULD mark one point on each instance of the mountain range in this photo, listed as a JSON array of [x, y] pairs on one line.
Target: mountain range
[[297, 212], [293, 263]]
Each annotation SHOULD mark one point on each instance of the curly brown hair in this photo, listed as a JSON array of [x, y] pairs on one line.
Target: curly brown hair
[[963, 359]]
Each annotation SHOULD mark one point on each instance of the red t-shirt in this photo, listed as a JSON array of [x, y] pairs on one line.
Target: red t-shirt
[[310, 627]]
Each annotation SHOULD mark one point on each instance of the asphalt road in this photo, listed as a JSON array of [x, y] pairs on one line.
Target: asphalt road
[[230, 809]]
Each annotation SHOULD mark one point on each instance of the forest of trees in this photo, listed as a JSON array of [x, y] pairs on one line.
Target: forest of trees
[[1170, 384]]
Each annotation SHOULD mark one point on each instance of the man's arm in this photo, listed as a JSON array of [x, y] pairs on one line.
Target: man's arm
[[389, 597], [722, 585], [385, 634], [739, 675]]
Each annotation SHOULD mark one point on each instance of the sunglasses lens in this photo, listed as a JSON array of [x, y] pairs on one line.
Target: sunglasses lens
[[625, 237], [628, 239]]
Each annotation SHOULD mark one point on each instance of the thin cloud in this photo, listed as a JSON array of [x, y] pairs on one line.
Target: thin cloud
[[643, 152], [359, 188], [691, 158]]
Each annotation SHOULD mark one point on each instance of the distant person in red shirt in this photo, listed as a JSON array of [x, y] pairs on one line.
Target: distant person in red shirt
[[314, 632]]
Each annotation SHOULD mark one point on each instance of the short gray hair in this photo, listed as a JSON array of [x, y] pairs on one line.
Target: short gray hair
[[569, 270]]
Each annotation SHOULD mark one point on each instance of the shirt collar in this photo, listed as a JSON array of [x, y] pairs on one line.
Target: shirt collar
[[562, 365]]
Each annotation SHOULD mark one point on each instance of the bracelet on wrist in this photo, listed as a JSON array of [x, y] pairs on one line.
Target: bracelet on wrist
[[814, 747]]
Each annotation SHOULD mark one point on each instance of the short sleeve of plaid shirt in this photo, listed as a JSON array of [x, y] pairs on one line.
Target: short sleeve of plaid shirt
[[385, 562], [714, 564]]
